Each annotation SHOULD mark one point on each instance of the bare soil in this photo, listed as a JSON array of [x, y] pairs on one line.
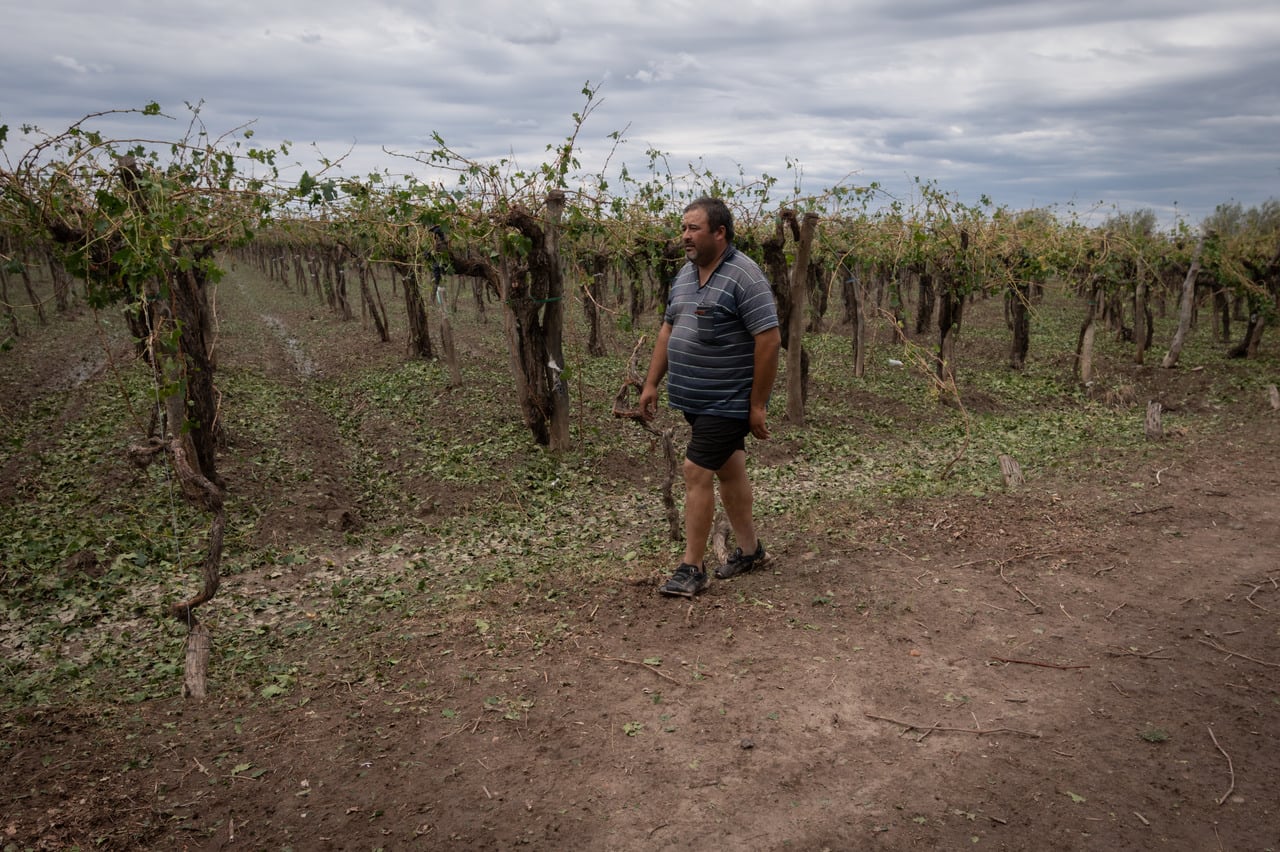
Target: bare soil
[[1075, 664]]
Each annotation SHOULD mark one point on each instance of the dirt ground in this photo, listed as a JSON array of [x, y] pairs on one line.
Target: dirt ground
[[1078, 664]]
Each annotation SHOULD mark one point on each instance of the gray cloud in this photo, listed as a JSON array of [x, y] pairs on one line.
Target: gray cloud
[[1150, 103]]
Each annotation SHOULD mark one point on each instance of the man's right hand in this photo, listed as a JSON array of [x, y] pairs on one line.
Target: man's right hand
[[648, 402], [657, 369]]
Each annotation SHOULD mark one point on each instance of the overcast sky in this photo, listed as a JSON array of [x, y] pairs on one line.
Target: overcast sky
[[1172, 105]]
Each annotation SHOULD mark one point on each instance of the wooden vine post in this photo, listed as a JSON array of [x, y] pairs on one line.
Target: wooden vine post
[[1154, 428], [790, 285], [1141, 317], [954, 288], [855, 299], [795, 321], [1186, 307], [191, 417], [1088, 333], [535, 324], [415, 308], [1011, 471], [595, 267], [441, 298]]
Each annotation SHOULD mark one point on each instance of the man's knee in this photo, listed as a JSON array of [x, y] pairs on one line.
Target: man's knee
[[696, 474], [734, 468]]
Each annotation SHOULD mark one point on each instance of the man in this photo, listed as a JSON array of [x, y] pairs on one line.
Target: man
[[718, 345]]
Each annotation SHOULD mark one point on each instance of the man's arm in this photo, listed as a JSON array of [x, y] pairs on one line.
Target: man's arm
[[658, 369], [765, 370]]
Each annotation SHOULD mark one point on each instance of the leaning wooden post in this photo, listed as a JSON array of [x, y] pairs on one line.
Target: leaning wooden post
[[1088, 331], [1186, 306]]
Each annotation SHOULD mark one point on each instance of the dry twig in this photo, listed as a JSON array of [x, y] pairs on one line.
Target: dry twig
[[931, 728], [1036, 663], [1019, 591], [1148, 655], [1231, 769], [642, 664], [1218, 647], [1257, 588]]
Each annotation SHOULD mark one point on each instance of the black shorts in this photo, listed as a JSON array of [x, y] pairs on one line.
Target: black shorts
[[715, 439]]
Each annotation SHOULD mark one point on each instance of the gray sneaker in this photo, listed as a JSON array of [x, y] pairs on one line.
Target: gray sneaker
[[686, 582], [740, 563]]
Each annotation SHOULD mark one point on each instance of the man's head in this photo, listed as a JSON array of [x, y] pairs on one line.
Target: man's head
[[718, 215], [707, 228]]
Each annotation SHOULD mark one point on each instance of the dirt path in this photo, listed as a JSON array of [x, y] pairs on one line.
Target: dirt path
[[1069, 670]]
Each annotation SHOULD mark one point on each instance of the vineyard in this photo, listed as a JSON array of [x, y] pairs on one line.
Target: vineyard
[[324, 521]]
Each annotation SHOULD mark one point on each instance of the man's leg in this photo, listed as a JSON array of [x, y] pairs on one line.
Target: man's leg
[[699, 510], [735, 493]]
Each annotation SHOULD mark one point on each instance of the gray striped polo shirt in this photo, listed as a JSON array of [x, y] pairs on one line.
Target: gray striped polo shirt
[[709, 371]]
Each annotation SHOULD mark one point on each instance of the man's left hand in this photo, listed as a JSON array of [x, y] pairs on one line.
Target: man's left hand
[[759, 423]]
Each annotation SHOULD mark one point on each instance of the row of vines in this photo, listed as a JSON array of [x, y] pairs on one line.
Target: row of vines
[[145, 225]]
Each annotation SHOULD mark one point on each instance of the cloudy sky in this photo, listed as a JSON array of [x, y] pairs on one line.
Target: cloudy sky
[[1172, 105]]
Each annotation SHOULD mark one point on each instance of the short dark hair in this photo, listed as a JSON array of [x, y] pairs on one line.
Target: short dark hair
[[718, 214]]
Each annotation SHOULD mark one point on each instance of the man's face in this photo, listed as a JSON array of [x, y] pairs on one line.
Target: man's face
[[701, 245]]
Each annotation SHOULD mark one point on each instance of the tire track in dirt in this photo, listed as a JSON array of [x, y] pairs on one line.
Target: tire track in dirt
[[261, 340]]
